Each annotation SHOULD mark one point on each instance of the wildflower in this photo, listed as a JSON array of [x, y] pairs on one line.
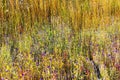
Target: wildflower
[[2, 78], [37, 63], [20, 67], [72, 76], [6, 70], [97, 45], [30, 52], [87, 59], [117, 66], [44, 53], [115, 50], [109, 55], [48, 67], [23, 74], [50, 59], [16, 49]]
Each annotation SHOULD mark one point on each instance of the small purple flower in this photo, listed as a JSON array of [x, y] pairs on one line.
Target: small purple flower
[[44, 53], [30, 52], [97, 45], [55, 71], [41, 78], [72, 76], [109, 55], [16, 49], [116, 50], [37, 63], [2, 79], [20, 67], [48, 67], [6, 70], [113, 57], [23, 74], [118, 66], [87, 59], [50, 59]]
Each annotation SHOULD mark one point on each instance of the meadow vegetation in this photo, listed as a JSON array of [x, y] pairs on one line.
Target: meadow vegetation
[[59, 40]]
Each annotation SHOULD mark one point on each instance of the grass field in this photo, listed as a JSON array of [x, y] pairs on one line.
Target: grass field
[[59, 40]]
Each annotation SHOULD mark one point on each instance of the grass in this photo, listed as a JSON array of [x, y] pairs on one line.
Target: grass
[[59, 40]]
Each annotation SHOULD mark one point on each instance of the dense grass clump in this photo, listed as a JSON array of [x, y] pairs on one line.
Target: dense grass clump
[[59, 40]]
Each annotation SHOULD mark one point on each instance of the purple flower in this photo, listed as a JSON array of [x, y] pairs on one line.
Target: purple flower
[[50, 59], [20, 67], [30, 52], [116, 50], [112, 57], [2, 79], [87, 59], [72, 76], [23, 74], [37, 63], [48, 67], [97, 45], [41, 78], [6, 70], [16, 49], [118, 66], [109, 55], [44, 53], [55, 71]]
